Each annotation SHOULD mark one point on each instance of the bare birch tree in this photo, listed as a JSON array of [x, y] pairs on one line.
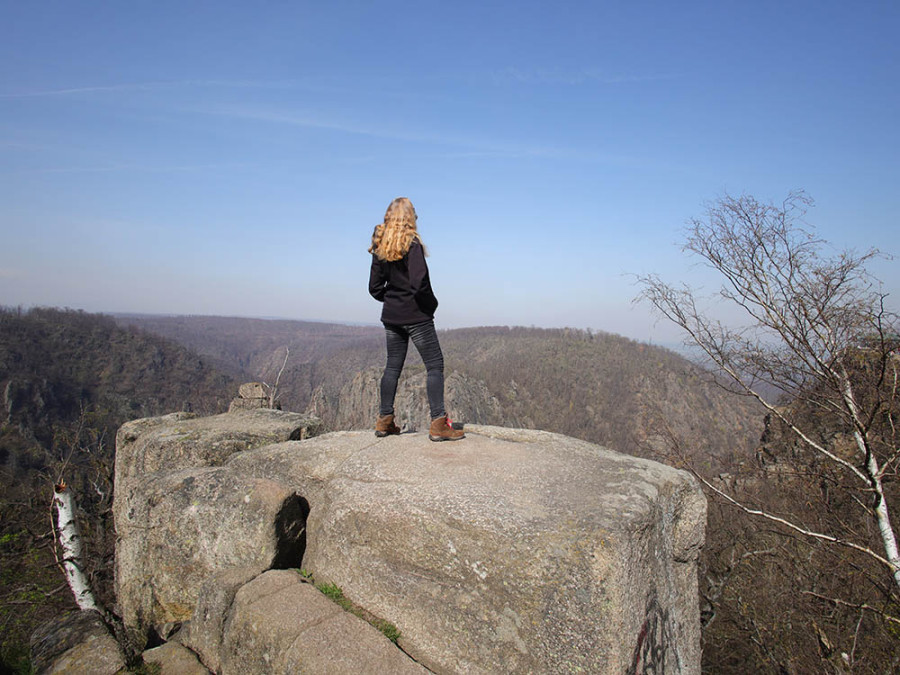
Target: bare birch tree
[[68, 530], [272, 390], [69, 536], [817, 331]]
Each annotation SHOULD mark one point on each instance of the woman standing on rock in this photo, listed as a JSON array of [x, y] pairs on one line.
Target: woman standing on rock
[[399, 279]]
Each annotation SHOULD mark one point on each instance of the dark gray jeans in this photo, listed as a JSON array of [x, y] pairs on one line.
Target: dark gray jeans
[[425, 339]]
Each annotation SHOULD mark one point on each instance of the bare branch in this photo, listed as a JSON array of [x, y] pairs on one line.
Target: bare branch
[[273, 390], [792, 526], [844, 603]]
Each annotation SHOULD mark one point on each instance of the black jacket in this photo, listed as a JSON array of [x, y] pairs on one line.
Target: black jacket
[[404, 287]]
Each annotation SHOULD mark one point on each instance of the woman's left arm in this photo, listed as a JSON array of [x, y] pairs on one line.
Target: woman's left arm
[[419, 279], [376, 280]]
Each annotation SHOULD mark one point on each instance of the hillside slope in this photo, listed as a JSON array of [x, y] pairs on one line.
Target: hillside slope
[[68, 380], [599, 387], [257, 347]]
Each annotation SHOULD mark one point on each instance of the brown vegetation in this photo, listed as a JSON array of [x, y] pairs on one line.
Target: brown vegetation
[[815, 511], [68, 380]]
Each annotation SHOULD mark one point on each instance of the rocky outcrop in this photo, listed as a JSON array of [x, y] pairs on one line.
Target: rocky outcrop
[[516, 551], [180, 516], [74, 644], [171, 657], [251, 396], [510, 551], [276, 623]]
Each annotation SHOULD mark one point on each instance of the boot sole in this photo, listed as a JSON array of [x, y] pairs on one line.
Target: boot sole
[[442, 438], [382, 434]]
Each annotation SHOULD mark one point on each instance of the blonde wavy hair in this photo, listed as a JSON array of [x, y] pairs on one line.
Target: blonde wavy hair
[[393, 237]]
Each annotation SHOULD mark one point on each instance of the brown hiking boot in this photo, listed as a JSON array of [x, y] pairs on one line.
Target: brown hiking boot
[[384, 426], [441, 430]]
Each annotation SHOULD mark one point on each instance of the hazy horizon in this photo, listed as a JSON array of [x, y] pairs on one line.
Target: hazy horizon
[[676, 345]]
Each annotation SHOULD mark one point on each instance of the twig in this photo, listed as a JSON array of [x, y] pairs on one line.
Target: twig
[[844, 603]]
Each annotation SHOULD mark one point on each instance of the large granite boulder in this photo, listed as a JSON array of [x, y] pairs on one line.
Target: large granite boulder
[[509, 551], [180, 516], [175, 529], [205, 631], [186, 441]]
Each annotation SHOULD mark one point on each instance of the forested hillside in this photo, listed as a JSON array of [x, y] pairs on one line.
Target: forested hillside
[[601, 387], [68, 380], [316, 353], [791, 603]]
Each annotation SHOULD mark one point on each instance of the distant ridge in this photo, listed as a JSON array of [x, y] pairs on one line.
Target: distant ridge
[[596, 386]]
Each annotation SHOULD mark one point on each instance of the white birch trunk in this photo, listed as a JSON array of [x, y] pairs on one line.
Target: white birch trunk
[[882, 516], [887, 532], [70, 541], [873, 471]]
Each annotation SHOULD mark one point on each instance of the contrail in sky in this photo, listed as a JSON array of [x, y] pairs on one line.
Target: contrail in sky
[[146, 86]]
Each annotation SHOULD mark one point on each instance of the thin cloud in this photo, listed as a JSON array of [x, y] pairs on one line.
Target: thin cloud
[[573, 78], [302, 121], [458, 147], [114, 168], [472, 146], [148, 86], [18, 145], [84, 90]]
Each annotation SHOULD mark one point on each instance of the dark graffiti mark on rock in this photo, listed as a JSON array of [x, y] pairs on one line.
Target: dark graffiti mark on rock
[[655, 643]]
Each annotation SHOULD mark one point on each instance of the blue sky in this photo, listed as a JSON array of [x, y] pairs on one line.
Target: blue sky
[[232, 158]]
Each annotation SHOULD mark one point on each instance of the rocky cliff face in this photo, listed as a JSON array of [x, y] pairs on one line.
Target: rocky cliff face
[[509, 551], [356, 404]]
